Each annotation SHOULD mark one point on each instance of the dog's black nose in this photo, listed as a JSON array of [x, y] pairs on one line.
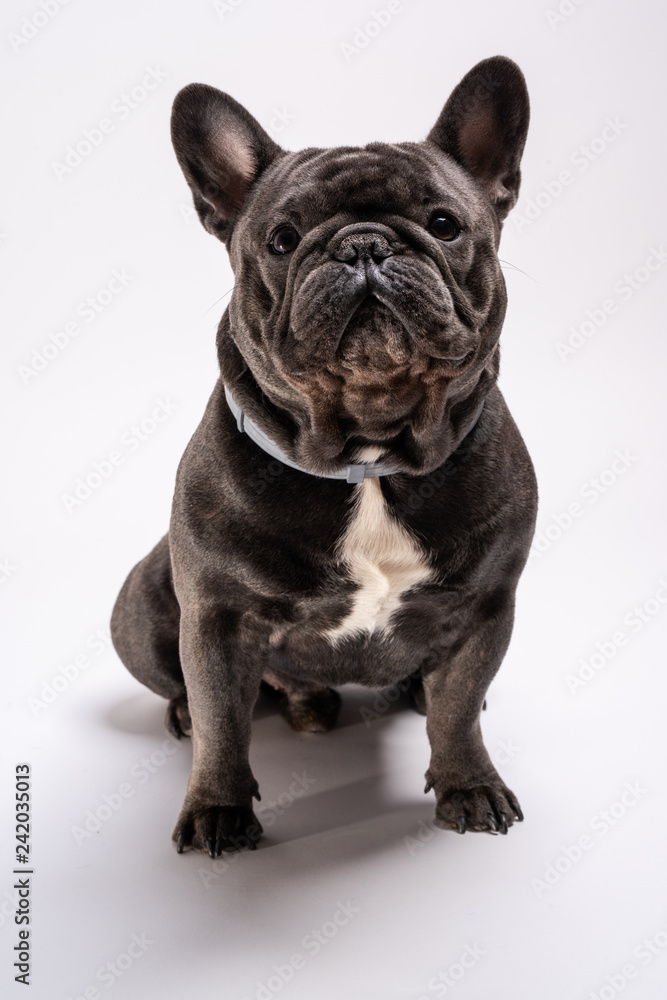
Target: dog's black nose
[[363, 246]]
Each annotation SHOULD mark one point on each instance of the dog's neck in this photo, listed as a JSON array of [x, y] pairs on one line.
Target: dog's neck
[[355, 472], [304, 433]]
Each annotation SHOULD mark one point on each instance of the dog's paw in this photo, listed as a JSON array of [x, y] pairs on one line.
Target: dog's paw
[[313, 711], [488, 807], [177, 720], [215, 829]]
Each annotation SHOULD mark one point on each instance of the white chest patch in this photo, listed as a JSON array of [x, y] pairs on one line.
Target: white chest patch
[[384, 560]]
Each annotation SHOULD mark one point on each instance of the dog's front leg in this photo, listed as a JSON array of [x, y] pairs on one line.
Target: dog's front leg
[[470, 793], [222, 682]]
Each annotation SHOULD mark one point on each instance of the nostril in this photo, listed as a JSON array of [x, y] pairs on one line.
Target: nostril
[[364, 246], [380, 249], [347, 253]]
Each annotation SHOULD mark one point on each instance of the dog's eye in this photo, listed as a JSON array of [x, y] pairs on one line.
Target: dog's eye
[[443, 227], [284, 239]]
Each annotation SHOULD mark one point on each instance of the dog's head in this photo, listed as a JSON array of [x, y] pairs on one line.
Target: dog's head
[[368, 298]]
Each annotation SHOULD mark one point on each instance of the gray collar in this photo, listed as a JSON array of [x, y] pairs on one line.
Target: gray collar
[[355, 472]]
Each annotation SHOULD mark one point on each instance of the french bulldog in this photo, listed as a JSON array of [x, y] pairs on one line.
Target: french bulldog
[[357, 503]]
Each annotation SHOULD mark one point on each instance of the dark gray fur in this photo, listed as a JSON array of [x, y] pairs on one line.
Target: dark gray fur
[[342, 343]]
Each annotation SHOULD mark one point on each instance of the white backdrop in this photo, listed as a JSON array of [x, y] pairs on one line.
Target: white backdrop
[[112, 296]]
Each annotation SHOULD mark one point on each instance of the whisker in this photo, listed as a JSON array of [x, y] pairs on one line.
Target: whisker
[[515, 268], [219, 300]]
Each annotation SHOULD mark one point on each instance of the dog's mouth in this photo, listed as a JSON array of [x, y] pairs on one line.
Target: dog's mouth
[[381, 368], [373, 338]]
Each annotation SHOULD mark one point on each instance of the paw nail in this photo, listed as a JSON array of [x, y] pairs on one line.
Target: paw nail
[[428, 786], [461, 824], [180, 843], [503, 823], [491, 820], [210, 847]]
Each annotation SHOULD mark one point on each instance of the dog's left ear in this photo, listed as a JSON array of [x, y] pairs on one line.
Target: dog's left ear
[[222, 151], [483, 126]]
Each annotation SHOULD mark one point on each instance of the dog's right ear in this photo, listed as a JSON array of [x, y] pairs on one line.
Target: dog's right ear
[[222, 150]]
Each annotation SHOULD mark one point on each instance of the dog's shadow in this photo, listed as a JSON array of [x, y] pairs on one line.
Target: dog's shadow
[[336, 793]]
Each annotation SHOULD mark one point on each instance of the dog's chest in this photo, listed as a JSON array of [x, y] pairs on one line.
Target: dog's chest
[[382, 558]]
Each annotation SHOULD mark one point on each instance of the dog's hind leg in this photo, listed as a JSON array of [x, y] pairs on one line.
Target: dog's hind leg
[[414, 688], [307, 707], [144, 629]]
